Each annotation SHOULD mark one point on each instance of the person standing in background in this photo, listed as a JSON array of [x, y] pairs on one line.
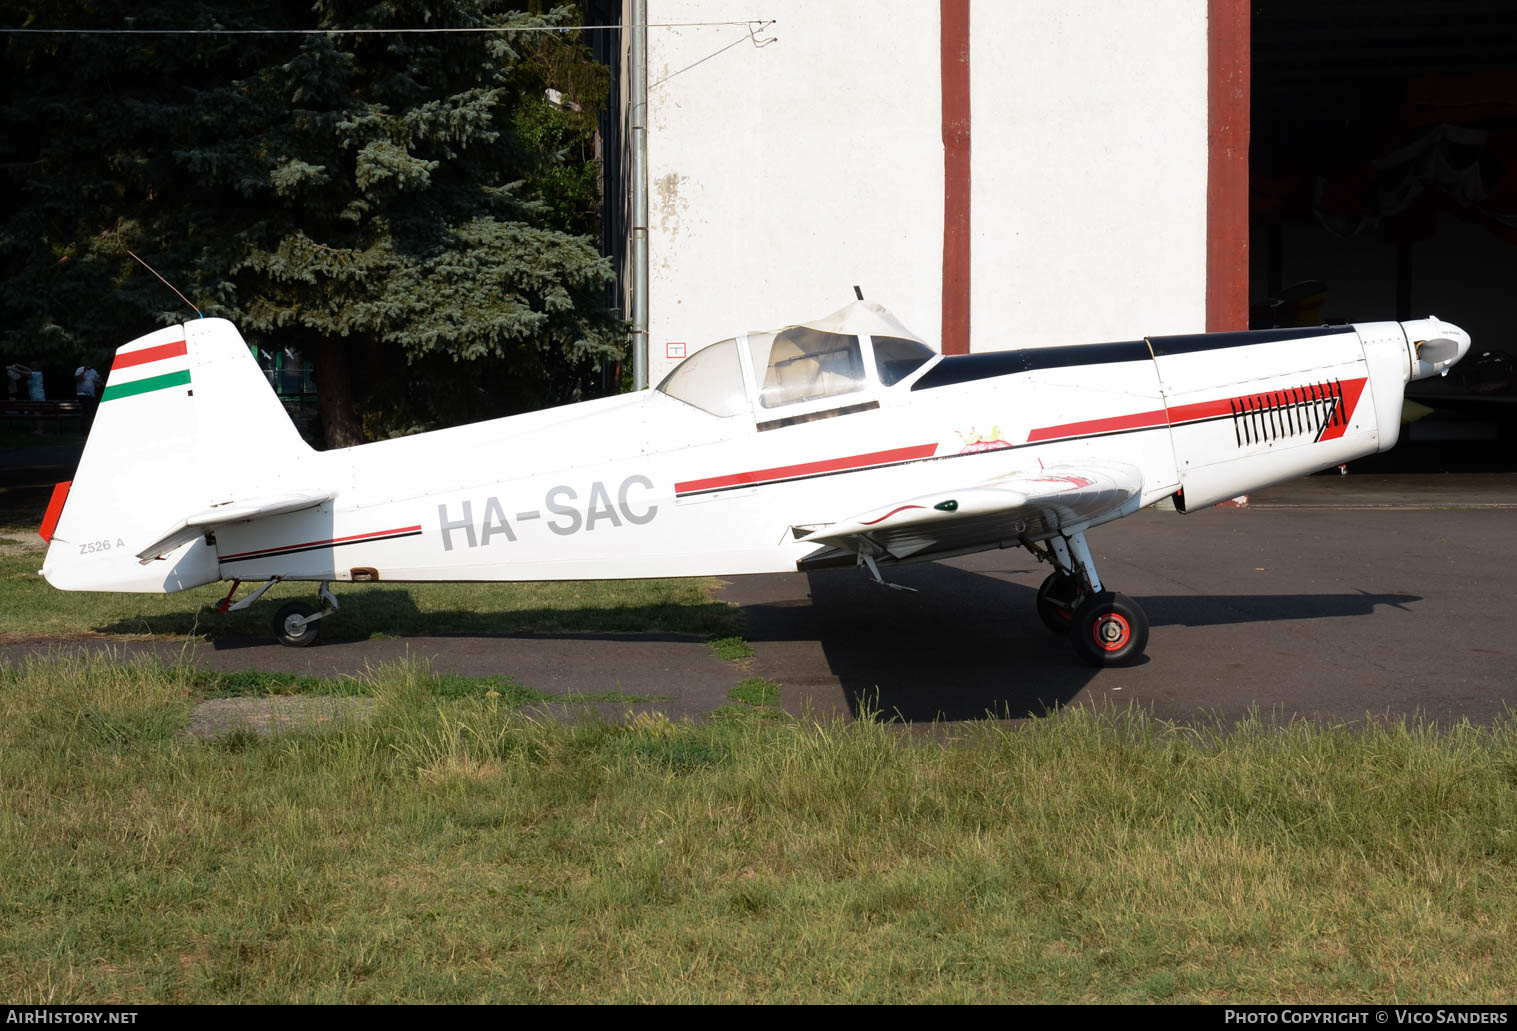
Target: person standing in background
[[27, 376], [31, 375], [87, 391], [34, 391]]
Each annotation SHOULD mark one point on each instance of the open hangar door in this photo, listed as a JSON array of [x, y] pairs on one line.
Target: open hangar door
[[1383, 183]]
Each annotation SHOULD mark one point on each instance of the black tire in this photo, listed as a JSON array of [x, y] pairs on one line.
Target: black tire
[[1057, 600], [290, 636], [1109, 629]]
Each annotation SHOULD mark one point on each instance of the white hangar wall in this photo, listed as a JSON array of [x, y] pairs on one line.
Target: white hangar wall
[[782, 175], [1090, 165]]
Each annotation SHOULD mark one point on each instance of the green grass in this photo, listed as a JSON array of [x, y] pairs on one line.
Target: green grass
[[207, 683], [204, 683], [730, 649], [464, 849], [754, 698], [30, 608], [756, 691], [200, 684]]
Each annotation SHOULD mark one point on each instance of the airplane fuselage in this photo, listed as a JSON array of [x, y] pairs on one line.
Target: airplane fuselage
[[646, 485], [843, 441]]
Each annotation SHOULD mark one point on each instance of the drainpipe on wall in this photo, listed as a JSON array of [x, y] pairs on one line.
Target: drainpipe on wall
[[638, 62]]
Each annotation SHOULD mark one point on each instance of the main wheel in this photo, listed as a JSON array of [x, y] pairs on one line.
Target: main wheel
[[1109, 629], [1057, 599], [289, 629]]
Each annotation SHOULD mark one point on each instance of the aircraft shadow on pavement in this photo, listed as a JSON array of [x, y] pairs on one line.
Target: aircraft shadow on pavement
[[968, 645], [965, 646], [1223, 609]]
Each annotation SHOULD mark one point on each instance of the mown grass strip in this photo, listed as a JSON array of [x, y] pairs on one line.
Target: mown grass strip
[[30, 608], [463, 849]]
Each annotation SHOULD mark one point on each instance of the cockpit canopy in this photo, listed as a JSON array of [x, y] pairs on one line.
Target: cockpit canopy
[[803, 364], [848, 352]]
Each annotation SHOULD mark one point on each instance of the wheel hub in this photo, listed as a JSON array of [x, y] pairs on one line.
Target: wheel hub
[[1111, 631]]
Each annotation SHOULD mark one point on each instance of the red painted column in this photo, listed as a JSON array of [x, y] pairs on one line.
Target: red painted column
[[954, 71], [1227, 101]]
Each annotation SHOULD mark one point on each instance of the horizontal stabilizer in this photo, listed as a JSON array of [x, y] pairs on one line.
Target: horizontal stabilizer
[[200, 523]]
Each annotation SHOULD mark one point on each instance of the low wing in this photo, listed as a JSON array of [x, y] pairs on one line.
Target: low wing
[[995, 513], [192, 526]]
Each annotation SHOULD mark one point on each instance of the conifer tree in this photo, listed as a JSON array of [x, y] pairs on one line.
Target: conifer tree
[[394, 205]]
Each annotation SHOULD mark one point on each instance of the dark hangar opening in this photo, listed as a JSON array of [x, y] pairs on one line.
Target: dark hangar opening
[[1383, 184]]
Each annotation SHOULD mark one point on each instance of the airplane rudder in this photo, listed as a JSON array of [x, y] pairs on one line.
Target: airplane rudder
[[232, 391]]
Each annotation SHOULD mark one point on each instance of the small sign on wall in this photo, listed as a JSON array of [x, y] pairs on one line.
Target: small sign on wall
[[675, 349]]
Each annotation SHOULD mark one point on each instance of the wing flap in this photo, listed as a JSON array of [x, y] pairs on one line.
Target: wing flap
[[986, 515], [240, 511]]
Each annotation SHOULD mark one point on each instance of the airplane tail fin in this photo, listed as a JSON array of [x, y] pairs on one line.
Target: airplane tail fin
[[187, 425]]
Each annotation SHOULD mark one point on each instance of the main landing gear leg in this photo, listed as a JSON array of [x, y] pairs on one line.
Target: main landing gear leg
[[297, 625], [1106, 628], [1062, 591]]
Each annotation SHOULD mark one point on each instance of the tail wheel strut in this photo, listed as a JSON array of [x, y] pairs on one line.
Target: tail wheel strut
[[293, 626], [298, 624]]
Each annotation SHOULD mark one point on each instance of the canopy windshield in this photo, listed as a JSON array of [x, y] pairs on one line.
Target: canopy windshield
[[710, 379], [823, 358], [804, 364], [800, 364]]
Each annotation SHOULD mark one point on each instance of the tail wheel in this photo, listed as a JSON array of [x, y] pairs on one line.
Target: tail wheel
[[1057, 600], [1109, 629], [290, 626]]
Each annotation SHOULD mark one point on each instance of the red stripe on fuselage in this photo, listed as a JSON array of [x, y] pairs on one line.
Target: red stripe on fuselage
[[1352, 390], [1136, 421], [1202, 410], [316, 544], [1198, 411], [148, 354], [789, 472]]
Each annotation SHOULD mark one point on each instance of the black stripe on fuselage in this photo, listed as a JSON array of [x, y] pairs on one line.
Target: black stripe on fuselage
[[1213, 341], [965, 368], [323, 545]]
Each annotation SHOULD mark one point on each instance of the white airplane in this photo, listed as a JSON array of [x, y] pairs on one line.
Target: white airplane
[[847, 441]]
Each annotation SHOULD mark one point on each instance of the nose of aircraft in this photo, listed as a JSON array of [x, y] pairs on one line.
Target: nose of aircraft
[[1436, 344]]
